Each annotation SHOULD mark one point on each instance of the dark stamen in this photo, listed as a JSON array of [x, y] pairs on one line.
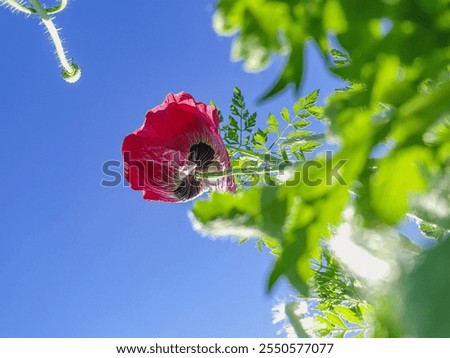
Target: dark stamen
[[189, 188], [201, 154]]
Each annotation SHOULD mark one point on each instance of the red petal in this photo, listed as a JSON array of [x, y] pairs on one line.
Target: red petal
[[147, 167], [178, 114]]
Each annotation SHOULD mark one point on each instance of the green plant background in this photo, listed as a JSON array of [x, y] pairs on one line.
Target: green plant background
[[392, 124]]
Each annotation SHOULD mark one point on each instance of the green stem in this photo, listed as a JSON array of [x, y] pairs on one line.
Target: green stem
[[313, 137], [70, 72], [239, 171], [240, 128], [249, 153], [57, 8], [278, 137], [294, 320], [29, 11], [17, 6]]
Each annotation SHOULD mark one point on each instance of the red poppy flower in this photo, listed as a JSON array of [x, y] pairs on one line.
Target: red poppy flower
[[178, 139]]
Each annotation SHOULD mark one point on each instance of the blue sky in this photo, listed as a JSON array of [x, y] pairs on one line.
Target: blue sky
[[81, 260]]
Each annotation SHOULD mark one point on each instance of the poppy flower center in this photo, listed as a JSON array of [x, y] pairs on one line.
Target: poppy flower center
[[202, 155]]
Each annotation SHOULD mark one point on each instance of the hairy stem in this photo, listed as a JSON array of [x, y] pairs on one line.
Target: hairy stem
[[238, 171], [70, 72], [17, 6], [28, 10]]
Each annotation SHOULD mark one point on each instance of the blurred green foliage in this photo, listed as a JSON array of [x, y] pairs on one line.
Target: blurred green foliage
[[392, 124], [426, 294]]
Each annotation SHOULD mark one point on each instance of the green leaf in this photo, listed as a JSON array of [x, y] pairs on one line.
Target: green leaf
[[296, 137], [233, 123], [427, 294], [316, 111], [434, 206], [272, 244], [338, 55], [432, 231], [243, 240], [324, 321], [285, 115], [309, 100], [292, 73], [286, 264], [348, 315], [335, 319], [272, 124], [309, 146], [259, 245], [301, 124], [398, 176], [219, 113], [249, 213], [250, 122], [334, 17], [260, 139]]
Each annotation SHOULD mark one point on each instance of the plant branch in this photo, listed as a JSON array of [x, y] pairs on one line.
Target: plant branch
[[238, 171], [70, 71], [30, 11]]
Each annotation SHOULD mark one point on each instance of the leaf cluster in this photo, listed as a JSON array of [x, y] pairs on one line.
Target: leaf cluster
[[278, 144], [238, 131], [392, 125], [335, 309]]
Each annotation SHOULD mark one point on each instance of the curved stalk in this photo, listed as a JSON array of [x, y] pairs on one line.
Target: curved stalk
[[239, 171], [70, 71], [30, 11]]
